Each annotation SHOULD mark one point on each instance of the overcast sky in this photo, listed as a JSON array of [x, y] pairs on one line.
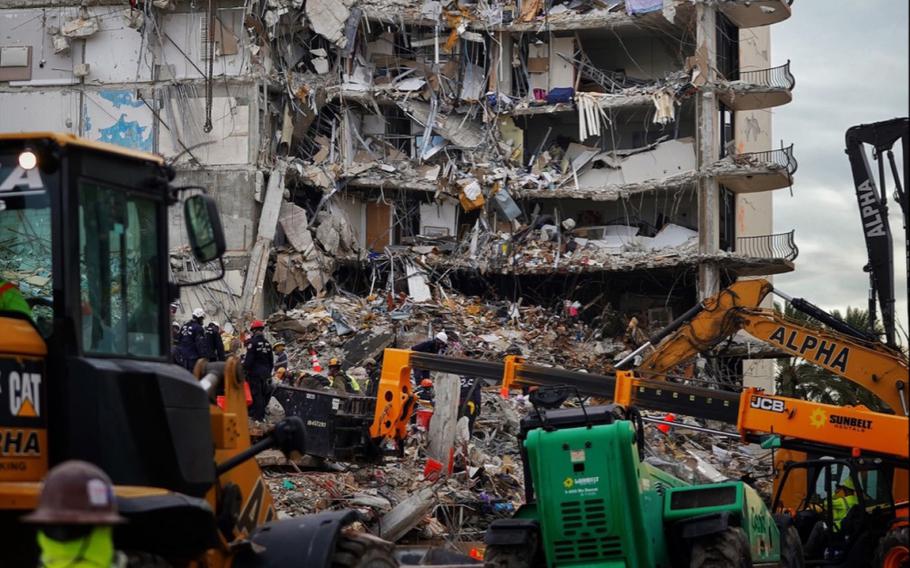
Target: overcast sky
[[850, 60]]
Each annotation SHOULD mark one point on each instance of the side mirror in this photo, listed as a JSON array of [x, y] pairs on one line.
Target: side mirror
[[203, 226]]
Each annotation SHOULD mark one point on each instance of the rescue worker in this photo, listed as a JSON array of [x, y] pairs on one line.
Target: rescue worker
[[469, 400], [193, 344], [372, 386], [424, 391], [12, 300], [844, 498], [175, 340], [258, 363], [340, 380], [75, 517], [281, 356], [436, 345], [216, 345]]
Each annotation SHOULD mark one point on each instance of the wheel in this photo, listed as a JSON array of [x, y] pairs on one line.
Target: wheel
[[497, 556], [358, 550], [519, 556], [721, 550], [893, 549], [791, 548]]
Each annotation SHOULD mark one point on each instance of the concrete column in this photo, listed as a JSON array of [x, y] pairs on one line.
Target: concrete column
[[706, 118], [503, 58]]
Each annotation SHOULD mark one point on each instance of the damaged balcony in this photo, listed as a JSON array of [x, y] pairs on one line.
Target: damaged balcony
[[753, 172], [754, 13], [760, 88], [775, 253]]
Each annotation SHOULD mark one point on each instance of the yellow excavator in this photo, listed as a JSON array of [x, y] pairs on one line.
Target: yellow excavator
[[85, 370]]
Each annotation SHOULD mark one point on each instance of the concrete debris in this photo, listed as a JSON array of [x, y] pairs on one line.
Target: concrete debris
[[79, 28]]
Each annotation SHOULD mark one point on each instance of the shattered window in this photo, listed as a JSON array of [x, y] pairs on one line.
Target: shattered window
[[118, 241]]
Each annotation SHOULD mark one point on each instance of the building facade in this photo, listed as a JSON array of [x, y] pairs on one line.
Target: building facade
[[612, 155]]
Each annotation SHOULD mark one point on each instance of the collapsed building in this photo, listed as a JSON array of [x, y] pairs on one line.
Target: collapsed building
[[602, 155]]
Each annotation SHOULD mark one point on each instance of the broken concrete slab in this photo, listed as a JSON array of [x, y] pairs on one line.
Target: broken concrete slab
[[407, 514], [293, 220]]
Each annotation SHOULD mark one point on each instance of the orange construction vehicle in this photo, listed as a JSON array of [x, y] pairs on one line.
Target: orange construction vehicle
[[864, 446], [86, 373], [841, 349]]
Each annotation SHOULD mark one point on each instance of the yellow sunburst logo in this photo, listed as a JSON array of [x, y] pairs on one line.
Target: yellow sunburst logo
[[818, 417], [568, 483]]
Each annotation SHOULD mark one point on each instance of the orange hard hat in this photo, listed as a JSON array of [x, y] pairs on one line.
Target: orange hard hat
[[76, 493], [257, 324], [334, 362], [426, 383], [280, 373]]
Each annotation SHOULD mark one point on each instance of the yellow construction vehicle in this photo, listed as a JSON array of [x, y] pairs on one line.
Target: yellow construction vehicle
[[85, 370]]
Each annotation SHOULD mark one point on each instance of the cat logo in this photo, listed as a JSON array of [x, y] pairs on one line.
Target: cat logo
[[25, 394]]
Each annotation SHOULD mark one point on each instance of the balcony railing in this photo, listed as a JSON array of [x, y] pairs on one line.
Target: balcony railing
[[782, 158], [780, 245], [774, 78]]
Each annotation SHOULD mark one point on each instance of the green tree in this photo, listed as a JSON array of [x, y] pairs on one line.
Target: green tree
[[799, 379]]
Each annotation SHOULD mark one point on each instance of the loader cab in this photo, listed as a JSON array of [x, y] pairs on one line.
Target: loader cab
[[847, 506], [84, 239]]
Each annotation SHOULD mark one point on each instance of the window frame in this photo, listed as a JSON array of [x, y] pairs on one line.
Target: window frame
[[117, 182]]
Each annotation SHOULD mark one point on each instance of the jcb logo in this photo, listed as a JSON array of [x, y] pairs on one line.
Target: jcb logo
[[769, 404], [25, 394]]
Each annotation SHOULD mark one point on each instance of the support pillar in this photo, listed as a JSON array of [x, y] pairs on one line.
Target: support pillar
[[707, 151]]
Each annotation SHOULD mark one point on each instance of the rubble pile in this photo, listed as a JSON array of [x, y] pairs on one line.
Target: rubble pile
[[487, 481], [354, 328]]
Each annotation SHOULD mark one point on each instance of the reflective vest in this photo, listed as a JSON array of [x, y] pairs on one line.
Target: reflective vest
[[11, 299], [95, 550], [841, 506]]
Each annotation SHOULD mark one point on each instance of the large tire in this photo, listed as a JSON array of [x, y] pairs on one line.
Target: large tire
[[893, 549], [726, 549], [791, 548], [498, 556], [358, 550]]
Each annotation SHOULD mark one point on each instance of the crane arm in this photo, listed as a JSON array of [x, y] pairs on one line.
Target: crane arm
[[845, 351], [873, 207]]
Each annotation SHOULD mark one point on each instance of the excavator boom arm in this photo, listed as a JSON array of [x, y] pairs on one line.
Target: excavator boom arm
[[844, 351]]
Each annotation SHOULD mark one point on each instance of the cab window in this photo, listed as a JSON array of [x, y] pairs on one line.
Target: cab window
[[118, 240]]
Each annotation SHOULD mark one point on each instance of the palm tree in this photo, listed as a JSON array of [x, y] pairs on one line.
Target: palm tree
[[800, 379]]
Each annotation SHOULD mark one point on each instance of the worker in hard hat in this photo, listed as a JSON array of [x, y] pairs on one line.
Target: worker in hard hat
[[12, 300], [469, 399], [258, 363], [193, 343], [216, 345], [844, 498], [436, 345], [340, 380], [75, 515], [281, 356], [372, 380], [424, 391]]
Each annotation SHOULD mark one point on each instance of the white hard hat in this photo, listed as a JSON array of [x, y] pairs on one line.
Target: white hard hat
[[198, 313], [568, 224], [441, 336]]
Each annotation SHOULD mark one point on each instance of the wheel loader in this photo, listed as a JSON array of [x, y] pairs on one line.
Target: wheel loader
[[85, 370]]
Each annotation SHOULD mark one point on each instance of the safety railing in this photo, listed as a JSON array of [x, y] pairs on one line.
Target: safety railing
[[774, 78], [779, 245], [781, 158]]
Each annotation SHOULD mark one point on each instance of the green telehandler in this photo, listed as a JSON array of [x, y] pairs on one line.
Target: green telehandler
[[592, 501]]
